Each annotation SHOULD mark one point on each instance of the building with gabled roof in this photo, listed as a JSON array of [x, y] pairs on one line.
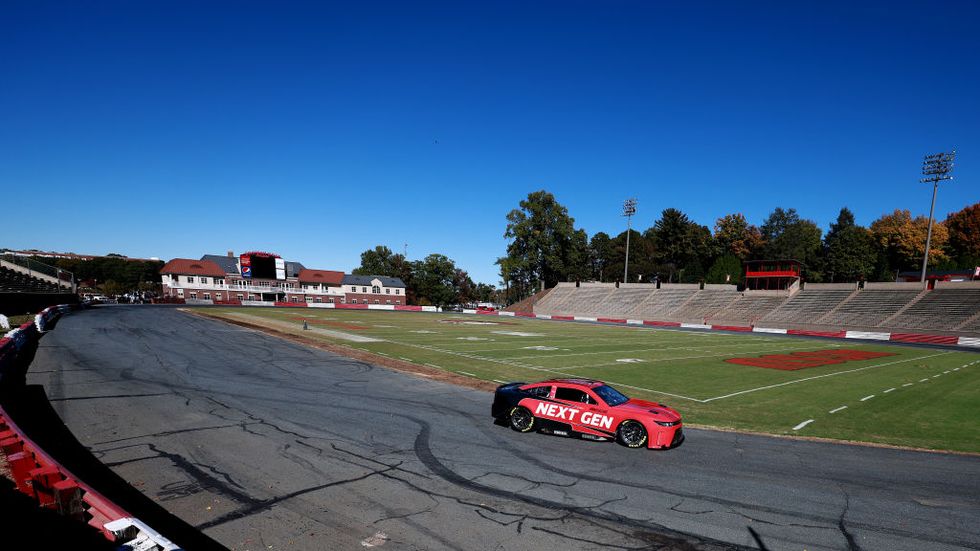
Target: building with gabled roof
[[220, 279]]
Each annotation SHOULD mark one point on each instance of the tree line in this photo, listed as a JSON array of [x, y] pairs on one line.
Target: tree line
[[434, 280], [545, 247]]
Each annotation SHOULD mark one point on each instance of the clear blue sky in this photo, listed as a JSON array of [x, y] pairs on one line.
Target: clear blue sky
[[174, 129]]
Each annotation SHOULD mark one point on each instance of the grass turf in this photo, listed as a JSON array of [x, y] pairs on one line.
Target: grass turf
[[920, 397]]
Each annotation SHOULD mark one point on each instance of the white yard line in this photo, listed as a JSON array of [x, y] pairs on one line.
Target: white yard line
[[805, 379], [842, 408], [803, 424], [467, 373], [888, 390], [923, 380], [729, 354], [499, 381], [908, 384], [755, 351], [866, 398]]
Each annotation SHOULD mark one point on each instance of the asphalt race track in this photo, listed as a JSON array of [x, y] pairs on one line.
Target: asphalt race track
[[266, 444]]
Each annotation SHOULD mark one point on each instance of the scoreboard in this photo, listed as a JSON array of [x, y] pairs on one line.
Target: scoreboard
[[258, 265]]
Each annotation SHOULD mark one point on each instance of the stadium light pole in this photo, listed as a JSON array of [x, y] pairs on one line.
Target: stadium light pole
[[935, 169], [629, 209]]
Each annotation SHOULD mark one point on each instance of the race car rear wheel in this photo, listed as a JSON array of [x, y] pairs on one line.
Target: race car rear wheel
[[631, 434], [521, 419]]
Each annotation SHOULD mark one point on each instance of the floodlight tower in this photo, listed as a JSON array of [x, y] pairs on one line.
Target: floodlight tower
[[629, 209], [935, 169]]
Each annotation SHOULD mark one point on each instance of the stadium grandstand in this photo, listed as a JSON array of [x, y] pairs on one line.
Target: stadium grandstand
[[27, 285], [775, 297]]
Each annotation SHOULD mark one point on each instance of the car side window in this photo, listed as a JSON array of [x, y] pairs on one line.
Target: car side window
[[573, 395], [540, 391]]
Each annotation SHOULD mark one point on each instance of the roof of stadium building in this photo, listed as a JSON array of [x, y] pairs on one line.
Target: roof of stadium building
[[190, 266], [230, 264], [328, 277], [351, 279]]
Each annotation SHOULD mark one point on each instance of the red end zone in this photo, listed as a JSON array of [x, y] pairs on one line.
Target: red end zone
[[803, 360]]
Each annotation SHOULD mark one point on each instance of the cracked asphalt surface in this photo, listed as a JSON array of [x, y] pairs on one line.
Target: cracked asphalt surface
[[267, 444]]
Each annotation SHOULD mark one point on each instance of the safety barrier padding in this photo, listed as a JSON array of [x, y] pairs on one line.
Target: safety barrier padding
[[584, 318], [929, 339], [731, 328], [407, 308], [773, 330], [612, 320], [969, 341], [351, 306], [662, 323], [867, 335], [281, 304], [695, 326], [807, 333]]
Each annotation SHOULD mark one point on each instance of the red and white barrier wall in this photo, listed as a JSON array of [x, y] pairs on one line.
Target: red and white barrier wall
[[38, 475]]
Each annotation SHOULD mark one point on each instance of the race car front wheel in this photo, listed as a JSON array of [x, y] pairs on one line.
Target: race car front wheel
[[631, 434], [521, 419]]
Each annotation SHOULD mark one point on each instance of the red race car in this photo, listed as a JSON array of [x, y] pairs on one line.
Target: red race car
[[589, 409]]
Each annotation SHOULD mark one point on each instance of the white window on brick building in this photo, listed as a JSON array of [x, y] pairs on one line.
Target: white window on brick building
[[398, 302], [193, 295], [180, 293], [388, 301], [353, 289], [240, 297], [217, 296], [207, 296], [363, 289], [190, 279], [376, 301], [204, 281], [376, 290], [318, 299], [219, 282], [387, 291], [353, 301], [398, 291]]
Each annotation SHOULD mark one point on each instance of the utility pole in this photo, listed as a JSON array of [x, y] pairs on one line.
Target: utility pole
[[935, 169], [629, 209]]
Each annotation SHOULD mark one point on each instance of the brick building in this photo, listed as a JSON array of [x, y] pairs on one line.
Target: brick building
[[217, 279]]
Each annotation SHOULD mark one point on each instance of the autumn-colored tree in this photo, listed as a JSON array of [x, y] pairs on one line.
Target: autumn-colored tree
[[902, 240], [964, 236], [736, 236]]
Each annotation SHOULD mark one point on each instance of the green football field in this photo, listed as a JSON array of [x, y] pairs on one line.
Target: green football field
[[907, 396]]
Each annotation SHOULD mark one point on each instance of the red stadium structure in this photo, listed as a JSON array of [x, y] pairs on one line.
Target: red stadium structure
[[774, 275]]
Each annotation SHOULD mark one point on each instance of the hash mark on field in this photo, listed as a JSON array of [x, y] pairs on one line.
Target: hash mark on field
[[499, 381], [838, 409], [803, 424], [946, 371], [956, 369], [908, 384], [433, 365], [889, 390], [866, 398], [936, 375], [466, 373], [404, 358]]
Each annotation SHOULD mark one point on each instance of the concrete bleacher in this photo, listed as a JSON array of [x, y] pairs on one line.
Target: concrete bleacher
[[748, 307], [812, 303], [705, 303], [950, 307], [624, 301], [665, 301], [942, 309], [872, 305]]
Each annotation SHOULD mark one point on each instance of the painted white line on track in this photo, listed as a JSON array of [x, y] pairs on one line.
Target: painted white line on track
[[466, 373], [803, 424], [866, 398], [434, 365], [499, 381], [888, 390], [908, 384], [404, 358], [837, 409], [793, 382]]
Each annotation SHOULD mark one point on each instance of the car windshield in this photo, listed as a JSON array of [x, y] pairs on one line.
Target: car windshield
[[610, 395]]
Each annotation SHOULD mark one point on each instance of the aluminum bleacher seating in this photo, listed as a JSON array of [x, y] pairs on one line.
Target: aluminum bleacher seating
[[663, 302], [747, 309]]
